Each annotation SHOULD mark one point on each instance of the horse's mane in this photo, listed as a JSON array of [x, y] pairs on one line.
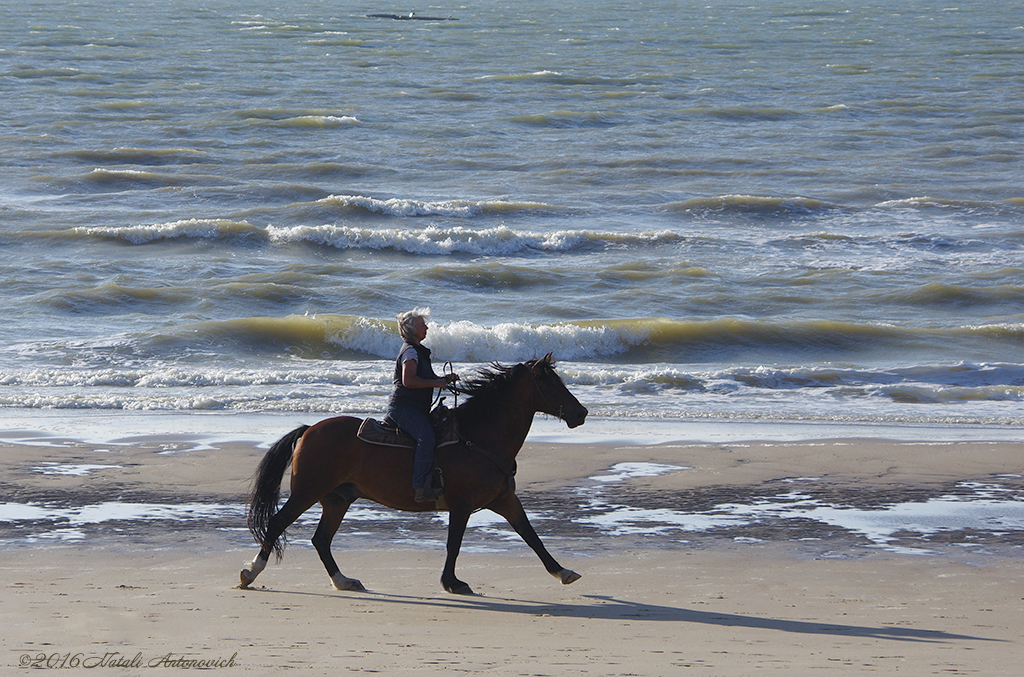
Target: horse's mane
[[490, 383]]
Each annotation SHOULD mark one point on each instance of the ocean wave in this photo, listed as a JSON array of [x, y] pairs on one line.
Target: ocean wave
[[431, 240], [188, 229], [348, 337], [120, 178], [641, 341], [631, 391], [943, 295], [182, 377], [29, 73], [304, 336], [930, 207], [912, 393], [315, 121], [748, 114], [332, 207], [138, 156], [632, 368], [406, 207], [292, 401], [113, 296], [491, 275], [777, 206], [288, 117], [961, 375], [933, 203], [634, 341], [434, 240], [566, 119], [750, 205], [560, 78]]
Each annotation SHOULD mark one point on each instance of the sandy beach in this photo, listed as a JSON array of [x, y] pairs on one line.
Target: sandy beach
[[777, 593]]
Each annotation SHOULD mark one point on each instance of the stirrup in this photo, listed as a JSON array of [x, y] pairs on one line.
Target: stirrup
[[427, 494]]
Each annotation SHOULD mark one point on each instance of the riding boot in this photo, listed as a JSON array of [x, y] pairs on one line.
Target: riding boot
[[428, 493]]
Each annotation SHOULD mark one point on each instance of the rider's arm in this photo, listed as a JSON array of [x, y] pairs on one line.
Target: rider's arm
[[410, 379]]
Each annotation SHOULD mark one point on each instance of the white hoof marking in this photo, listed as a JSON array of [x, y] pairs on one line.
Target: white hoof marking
[[251, 571]]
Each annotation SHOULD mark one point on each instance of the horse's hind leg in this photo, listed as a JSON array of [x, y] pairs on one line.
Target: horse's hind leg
[[335, 505], [509, 507], [281, 520]]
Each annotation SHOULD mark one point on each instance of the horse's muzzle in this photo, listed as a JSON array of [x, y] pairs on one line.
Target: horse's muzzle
[[575, 417]]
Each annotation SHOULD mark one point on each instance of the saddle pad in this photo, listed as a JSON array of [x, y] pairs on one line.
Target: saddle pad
[[377, 432]]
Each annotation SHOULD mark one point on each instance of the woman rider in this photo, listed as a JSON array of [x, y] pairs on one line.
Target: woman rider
[[410, 401]]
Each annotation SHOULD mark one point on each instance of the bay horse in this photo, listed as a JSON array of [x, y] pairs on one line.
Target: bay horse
[[332, 466]]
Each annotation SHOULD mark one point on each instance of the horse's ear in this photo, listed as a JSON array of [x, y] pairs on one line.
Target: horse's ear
[[537, 366]]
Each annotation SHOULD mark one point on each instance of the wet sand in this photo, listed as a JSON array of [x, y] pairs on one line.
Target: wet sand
[[788, 595]]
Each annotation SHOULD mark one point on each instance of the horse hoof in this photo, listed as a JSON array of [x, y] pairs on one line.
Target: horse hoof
[[567, 576], [350, 584], [459, 588], [251, 570]]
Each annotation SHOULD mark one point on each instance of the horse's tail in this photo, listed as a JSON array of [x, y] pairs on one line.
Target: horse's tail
[[266, 489]]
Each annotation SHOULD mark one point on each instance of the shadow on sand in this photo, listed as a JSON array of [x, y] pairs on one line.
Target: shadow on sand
[[600, 607]]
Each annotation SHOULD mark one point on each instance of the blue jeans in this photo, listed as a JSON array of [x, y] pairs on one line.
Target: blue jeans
[[417, 424]]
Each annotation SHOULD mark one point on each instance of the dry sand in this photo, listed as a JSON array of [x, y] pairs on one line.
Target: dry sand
[[133, 597]]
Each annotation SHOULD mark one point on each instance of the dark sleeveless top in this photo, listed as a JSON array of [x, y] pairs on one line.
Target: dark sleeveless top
[[417, 398]]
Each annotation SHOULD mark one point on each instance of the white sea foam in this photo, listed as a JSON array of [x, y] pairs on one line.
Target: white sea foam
[[186, 228], [100, 173], [431, 240], [465, 341], [316, 121], [513, 341], [437, 240], [408, 207]]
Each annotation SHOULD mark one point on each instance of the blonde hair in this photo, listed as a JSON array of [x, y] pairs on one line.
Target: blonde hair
[[406, 322]]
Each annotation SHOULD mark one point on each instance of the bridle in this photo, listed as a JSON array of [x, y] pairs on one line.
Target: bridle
[[454, 390], [533, 379]]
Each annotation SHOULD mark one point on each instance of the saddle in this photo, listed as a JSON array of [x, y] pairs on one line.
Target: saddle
[[446, 429], [386, 433]]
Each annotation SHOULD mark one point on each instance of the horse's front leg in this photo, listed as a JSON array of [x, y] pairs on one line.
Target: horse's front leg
[[510, 507], [457, 520]]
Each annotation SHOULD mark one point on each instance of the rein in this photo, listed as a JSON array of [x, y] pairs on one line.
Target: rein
[[508, 468], [446, 370], [450, 387]]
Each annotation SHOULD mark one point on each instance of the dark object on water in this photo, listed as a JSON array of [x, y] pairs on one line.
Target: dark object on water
[[333, 467], [411, 16]]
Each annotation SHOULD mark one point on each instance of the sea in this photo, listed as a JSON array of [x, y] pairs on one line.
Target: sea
[[711, 213]]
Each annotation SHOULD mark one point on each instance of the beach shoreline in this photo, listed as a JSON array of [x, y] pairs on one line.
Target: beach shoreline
[[102, 426], [680, 570]]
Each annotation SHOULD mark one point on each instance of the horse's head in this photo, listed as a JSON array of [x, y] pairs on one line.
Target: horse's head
[[551, 396]]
